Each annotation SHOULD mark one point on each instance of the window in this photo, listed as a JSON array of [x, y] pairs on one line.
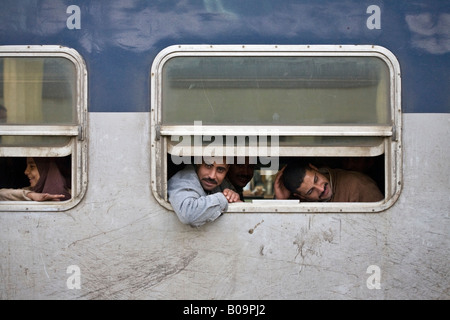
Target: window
[[43, 91], [274, 103]]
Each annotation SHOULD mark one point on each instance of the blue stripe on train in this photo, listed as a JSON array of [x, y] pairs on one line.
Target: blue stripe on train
[[119, 39]]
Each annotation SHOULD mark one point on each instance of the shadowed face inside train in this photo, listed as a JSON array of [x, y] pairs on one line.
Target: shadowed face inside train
[[241, 174]]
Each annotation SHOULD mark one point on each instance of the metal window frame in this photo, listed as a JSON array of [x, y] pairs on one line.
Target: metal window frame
[[77, 146], [391, 134]]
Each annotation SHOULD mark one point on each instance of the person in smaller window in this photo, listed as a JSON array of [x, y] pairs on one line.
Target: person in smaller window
[[46, 183], [238, 176], [194, 196], [304, 181]]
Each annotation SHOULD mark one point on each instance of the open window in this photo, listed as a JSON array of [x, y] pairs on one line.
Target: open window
[[274, 103], [43, 94]]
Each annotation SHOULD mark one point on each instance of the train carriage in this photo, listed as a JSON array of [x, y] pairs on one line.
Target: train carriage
[[126, 93]]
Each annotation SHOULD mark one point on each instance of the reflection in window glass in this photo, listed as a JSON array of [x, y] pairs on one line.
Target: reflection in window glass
[[34, 141], [38, 90], [275, 90]]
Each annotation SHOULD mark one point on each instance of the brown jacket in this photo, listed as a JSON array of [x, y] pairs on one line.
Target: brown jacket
[[353, 186]]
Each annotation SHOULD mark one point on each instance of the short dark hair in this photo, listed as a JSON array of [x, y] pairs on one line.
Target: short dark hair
[[293, 175]]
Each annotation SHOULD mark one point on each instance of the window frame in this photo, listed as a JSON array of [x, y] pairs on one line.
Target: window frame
[[391, 134], [76, 147]]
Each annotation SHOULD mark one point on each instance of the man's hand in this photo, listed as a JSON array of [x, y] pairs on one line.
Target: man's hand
[[231, 196], [279, 189], [35, 196]]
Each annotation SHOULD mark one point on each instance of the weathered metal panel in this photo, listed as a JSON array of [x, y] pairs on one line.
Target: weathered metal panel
[[127, 246]]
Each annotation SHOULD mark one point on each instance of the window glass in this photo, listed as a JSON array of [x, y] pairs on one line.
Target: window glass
[[300, 90], [38, 90], [33, 141]]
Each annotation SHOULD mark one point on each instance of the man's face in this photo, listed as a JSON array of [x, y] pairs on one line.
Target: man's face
[[240, 174], [211, 175], [315, 186]]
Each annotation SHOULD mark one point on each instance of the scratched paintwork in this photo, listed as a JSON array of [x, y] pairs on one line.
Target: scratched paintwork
[[128, 247]]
